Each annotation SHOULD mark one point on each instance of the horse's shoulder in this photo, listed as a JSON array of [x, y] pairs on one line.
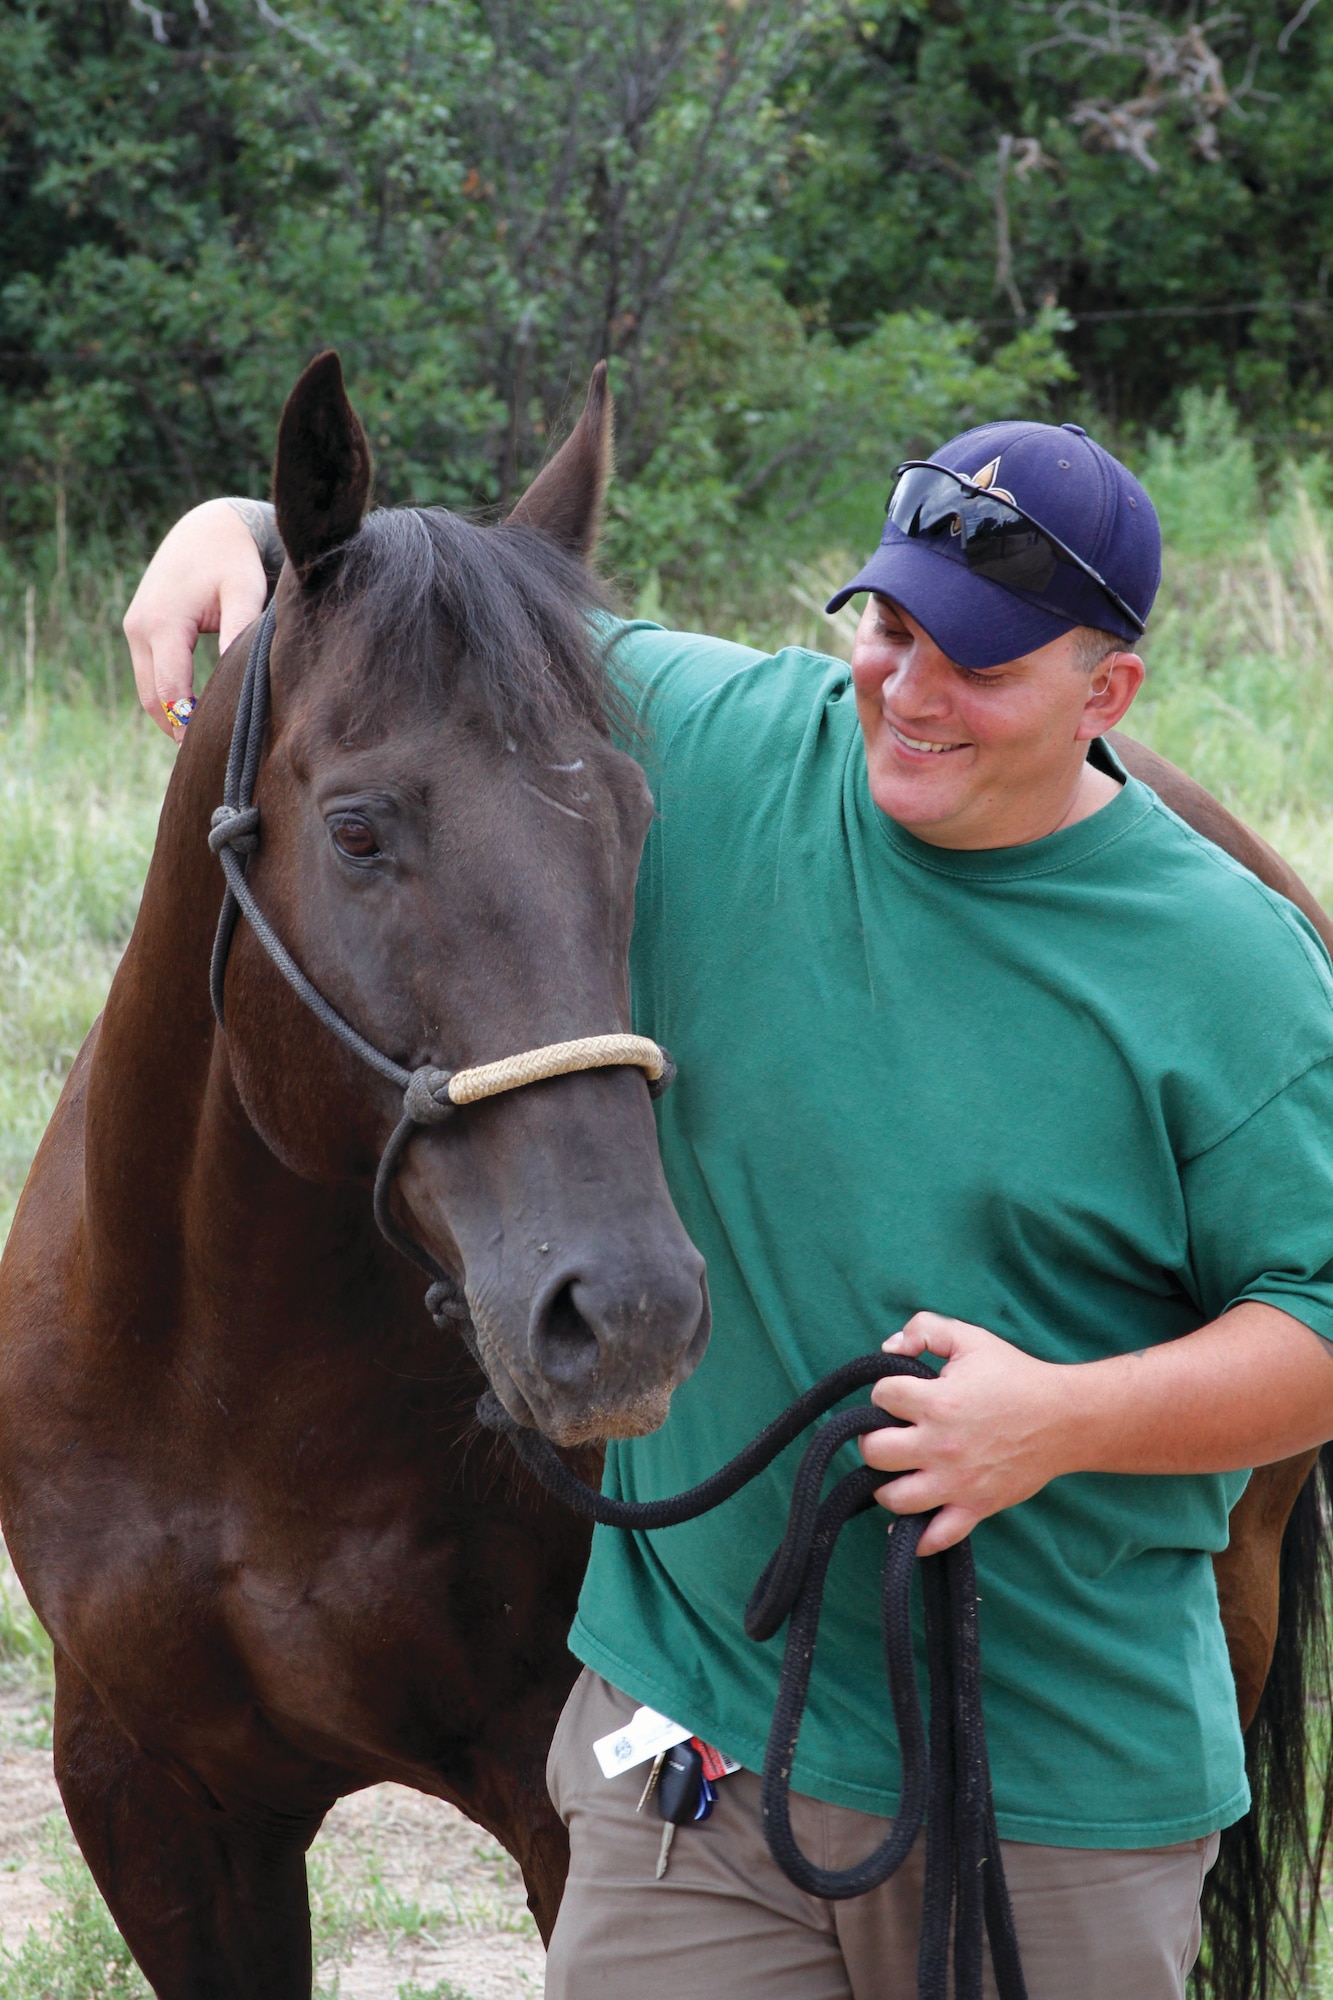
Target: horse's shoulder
[[1191, 802]]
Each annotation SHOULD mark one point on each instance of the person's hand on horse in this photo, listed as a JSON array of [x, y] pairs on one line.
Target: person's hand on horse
[[981, 1436], [206, 577]]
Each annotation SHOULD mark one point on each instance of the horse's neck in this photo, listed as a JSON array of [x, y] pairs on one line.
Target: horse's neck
[[180, 1192]]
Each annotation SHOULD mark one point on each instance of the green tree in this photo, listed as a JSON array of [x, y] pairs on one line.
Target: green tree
[[474, 199], [1151, 169]]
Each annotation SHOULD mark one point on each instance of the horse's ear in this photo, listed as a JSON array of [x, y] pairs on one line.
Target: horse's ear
[[565, 499], [322, 471]]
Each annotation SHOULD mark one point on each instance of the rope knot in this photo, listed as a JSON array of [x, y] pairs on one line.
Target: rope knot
[[659, 1085], [426, 1100], [236, 827], [446, 1305]]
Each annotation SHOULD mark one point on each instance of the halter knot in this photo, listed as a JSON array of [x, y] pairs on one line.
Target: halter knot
[[426, 1099], [659, 1085], [446, 1304], [236, 827]]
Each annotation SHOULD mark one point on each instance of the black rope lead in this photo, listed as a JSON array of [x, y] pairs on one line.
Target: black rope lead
[[946, 1777]]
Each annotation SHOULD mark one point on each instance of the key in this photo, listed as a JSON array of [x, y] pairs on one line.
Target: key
[[651, 1785], [680, 1785], [681, 1795], [664, 1851]]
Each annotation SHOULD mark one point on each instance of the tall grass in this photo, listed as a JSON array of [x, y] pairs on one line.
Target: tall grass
[[79, 796]]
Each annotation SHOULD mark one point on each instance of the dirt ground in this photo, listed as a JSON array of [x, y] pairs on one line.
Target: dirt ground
[[405, 1891]]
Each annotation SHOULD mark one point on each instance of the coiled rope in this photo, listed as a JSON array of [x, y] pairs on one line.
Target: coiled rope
[[946, 1777]]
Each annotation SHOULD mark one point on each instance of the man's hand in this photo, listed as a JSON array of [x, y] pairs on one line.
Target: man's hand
[[1251, 1387], [983, 1435], [206, 577]]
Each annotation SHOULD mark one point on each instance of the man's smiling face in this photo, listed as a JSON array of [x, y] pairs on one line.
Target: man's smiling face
[[985, 758]]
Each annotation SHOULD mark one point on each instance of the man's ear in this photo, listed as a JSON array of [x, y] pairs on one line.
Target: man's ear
[[322, 469], [565, 499], [1112, 687]]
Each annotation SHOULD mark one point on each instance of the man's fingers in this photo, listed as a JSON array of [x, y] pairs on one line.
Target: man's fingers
[[896, 1450], [163, 665], [912, 1492], [921, 1335], [950, 1526], [917, 1494], [207, 576], [931, 1333], [903, 1395]]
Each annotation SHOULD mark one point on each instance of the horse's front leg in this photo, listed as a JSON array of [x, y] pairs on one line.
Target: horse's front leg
[[212, 1907]]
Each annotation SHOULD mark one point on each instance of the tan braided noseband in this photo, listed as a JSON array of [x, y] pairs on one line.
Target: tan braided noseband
[[466, 1086]]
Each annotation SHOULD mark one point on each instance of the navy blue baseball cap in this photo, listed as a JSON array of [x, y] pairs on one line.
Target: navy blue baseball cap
[[1066, 485]]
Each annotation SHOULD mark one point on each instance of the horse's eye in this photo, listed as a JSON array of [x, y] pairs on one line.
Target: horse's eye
[[355, 837]]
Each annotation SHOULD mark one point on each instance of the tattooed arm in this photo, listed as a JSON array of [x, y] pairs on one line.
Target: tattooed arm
[[260, 517], [214, 573]]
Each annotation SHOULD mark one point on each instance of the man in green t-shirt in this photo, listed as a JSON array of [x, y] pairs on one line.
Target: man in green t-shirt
[[983, 1051]]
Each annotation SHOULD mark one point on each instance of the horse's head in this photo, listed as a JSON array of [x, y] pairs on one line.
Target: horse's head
[[450, 845]]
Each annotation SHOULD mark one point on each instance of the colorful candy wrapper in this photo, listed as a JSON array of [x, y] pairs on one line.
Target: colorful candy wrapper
[[178, 712]]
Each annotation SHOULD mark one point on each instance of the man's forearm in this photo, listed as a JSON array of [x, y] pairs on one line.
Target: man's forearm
[[1251, 1387], [260, 517], [996, 1425]]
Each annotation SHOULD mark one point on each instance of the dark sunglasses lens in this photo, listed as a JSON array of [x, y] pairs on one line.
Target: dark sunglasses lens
[[1009, 551], [924, 502], [995, 541]]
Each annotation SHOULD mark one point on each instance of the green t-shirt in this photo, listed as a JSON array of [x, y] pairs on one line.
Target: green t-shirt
[[1079, 1092]]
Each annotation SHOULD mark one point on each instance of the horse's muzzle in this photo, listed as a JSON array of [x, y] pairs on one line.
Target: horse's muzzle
[[604, 1347]]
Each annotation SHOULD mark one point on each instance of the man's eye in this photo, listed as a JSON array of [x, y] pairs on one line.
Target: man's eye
[[355, 838]]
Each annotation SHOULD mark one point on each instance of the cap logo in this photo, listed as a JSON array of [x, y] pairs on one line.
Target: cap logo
[[985, 480]]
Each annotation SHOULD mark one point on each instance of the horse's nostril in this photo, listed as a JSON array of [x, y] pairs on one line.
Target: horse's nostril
[[567, 1349]]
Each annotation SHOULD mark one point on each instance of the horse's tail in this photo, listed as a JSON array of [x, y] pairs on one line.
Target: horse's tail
[[1261, 1900]]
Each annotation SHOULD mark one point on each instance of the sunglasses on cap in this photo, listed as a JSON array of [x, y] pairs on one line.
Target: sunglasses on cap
[[994, 536]]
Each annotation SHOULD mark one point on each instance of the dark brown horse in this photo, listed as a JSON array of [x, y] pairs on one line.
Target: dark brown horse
[[239, 1471]]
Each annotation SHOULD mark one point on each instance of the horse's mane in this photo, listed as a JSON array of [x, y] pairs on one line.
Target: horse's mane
[[430, 598]]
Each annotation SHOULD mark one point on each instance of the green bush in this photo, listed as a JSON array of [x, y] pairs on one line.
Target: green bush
[[1204, 480]]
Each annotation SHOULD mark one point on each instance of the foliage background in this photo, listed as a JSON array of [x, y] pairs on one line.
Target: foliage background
[[809, 235]]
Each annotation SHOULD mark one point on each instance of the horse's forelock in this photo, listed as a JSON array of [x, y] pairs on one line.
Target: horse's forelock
[[430, 598]]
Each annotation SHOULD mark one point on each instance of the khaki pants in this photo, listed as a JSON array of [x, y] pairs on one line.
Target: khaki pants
[[724, 1923]]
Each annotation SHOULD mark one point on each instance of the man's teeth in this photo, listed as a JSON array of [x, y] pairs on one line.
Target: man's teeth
[[914, 743]]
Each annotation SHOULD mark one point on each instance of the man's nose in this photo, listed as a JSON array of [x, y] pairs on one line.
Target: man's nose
[[919, 683]]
